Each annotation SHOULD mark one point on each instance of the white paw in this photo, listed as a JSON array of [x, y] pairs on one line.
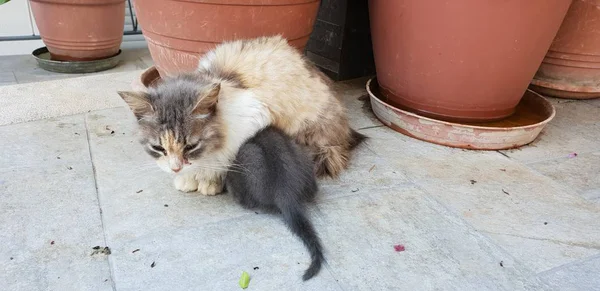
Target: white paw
[[186, 183], [210, 187]]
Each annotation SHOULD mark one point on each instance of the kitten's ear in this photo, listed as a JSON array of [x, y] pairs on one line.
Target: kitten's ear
[[138, 102], [207, 102]]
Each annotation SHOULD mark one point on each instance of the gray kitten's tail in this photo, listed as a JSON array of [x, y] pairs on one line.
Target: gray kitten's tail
[[298, 223]]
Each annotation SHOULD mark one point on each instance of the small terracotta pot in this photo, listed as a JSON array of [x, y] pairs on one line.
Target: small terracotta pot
[[461, 60], [80, 30], [179, 32], [571, 68]]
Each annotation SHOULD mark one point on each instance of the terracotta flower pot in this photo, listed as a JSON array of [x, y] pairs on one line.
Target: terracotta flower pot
[[571, 68], [80, 30], [461, 60], [179, 32]]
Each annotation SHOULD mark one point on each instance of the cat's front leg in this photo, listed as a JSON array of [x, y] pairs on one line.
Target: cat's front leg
[[186, 182], [210, 183]]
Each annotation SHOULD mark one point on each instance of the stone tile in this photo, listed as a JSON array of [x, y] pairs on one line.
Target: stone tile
[[49, 214], [147, 59], [37, 74], [505, 197], [138, 54], [574, 129], [213, 256], [7, 78], [123, 169], [581, 173], [26, 69], [576, 277], [594, 102], [11, 63], [442, 252], [356, 100], [44, 143], [555, 253], [62, 97], [367, 169], [130, 60]]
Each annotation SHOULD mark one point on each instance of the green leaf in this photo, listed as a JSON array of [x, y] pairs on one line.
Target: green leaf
[[4, 1], [244, 280]]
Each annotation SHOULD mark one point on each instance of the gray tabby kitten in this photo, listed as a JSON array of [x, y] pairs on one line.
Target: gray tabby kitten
[[273, 173]]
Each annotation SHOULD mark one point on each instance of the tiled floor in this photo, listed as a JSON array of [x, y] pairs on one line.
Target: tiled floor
[[530, 221], [24, 69]]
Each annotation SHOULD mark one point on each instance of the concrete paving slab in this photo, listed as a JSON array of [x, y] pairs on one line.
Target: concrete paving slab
[[133, 190], [27, 102], [24, 68], [49, 213], [496, 195], [367, 169], [580, 173], [441, 251], [458, 212], [7, 78], [579, 276], [574, 130], [593, 102], [213, 256], [354, 95], [541, 255]]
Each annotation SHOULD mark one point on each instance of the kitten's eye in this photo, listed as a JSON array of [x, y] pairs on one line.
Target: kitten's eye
[[190, 147], [158, 148]]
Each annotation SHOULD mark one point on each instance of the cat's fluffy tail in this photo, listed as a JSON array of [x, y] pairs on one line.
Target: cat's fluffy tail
[[356, 138], [296, 220]]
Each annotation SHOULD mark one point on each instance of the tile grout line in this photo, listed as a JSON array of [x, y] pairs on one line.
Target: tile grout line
[[563, 266], [500, 152], [469, 226], [87, 135], [565, 157], [369, 127], [60, 116]]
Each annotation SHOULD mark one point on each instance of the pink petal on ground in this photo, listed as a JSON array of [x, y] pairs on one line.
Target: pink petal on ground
[[572, 155], [399, 248]]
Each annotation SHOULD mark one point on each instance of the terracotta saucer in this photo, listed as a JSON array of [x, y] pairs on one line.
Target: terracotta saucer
[[531, 116]]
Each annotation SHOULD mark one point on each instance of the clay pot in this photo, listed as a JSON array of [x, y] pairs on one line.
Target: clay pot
[[80, 30], [571, 68], [461, 60], [179, 32]]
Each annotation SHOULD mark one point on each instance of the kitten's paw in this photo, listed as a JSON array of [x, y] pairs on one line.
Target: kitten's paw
[[210, 187], [186, 183]]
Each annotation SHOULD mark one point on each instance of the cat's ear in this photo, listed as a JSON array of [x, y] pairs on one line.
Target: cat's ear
[[207, 101], [138, 102]]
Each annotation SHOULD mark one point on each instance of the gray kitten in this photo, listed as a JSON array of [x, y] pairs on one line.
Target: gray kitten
[[273, 173]]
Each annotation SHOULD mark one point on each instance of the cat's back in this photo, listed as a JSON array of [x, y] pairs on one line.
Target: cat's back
[[256, 61]]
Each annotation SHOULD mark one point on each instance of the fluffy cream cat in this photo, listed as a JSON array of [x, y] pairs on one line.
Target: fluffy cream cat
[[194, 124]]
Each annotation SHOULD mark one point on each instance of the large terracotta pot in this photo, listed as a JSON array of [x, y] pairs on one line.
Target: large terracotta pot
[[179, 32], [80, 30], [571, 68], [461, 60]]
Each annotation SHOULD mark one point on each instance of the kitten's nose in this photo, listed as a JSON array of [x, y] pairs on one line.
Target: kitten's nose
[[177, 169]]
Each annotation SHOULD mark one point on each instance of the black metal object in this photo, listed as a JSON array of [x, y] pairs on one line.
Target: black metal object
[[134, 22], [42, 56], [340, 44]]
